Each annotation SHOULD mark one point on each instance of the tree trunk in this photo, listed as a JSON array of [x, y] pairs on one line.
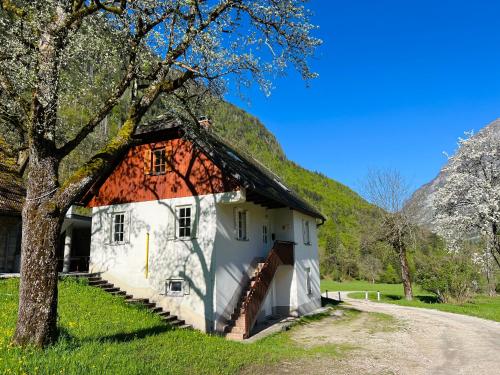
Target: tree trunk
[[405, 273], [37, 315]]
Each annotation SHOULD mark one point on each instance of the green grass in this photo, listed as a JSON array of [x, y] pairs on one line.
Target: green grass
[[101, 334], [480, 306]]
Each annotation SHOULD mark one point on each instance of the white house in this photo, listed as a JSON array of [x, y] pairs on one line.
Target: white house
[[190, 223]]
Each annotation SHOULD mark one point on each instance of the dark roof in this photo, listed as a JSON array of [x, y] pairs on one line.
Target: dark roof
[[12, 194], [262, 185]]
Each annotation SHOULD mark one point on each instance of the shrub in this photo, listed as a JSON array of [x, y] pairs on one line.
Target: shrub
[[390, 275], [453, 278]]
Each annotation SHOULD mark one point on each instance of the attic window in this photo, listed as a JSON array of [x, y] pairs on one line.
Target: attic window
[[159, 161], [281, 184]]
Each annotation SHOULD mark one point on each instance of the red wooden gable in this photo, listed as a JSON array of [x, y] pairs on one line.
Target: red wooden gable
[[188, 172]]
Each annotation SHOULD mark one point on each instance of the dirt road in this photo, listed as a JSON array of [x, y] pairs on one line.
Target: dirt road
[[405, 341]]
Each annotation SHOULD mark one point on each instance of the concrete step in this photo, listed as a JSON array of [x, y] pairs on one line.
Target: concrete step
[[138, 300], [169, 318], [156, 310], [97, 282], [235, 336], [177, 323], [185, 326], [164, 313]]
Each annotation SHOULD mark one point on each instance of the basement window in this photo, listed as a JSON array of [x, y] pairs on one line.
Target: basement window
[[177, 287]]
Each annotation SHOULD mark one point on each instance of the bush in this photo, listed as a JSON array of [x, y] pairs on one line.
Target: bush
[[390, 275], [453, 278]]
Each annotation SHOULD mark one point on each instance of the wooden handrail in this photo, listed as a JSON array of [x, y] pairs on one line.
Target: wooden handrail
[[281, 253]]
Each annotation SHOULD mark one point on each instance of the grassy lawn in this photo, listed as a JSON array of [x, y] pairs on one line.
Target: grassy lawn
[[102, 334], [481, 306]]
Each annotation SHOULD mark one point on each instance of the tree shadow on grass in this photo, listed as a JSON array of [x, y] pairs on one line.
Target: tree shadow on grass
[[73, 343]]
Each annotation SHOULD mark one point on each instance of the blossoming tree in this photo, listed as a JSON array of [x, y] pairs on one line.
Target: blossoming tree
[[468, 202], [154, 49]]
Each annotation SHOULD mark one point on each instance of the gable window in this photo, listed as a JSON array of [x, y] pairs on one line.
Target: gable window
[[118, 228], [159, 161], [306, 233], [308, 281], [241, 225], [264, 234], [184, 223]]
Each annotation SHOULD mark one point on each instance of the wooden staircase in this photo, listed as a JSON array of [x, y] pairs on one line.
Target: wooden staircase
[[172, 320], [253, 295]]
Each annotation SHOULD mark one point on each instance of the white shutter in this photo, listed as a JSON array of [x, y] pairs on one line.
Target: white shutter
[[127, 220], [171, 221], [194, 221]]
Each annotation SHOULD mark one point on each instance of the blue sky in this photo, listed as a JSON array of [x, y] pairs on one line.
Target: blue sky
[[399, 82]]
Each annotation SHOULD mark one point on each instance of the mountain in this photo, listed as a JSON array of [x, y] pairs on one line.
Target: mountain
[[422, 200], [347, 213]]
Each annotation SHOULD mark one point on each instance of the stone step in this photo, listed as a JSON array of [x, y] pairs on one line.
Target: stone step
[[138, 300], [94, 278], [156, 310], [119, 293], [111, 290], [185, 326], [164, 313], [235, 336], [105, 285], [169, 318], [176, 323], [97, 282]]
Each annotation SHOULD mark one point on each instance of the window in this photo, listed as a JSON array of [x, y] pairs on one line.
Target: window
[[308, 281], [177, 287], [264, 234], [306, 232], [241, 225], [118, 228], [184, 222], [159, 161]]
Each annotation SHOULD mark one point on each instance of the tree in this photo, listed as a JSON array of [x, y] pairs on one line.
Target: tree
[[467, 204], [158, 49], [389, 192], [370, 267]]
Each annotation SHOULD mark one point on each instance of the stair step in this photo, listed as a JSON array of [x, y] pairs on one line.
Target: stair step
[[97, 282], [119, 293], [156, 310], [128, 297], [104, 286], [164, 313], [111, 290], [185, 326], [138, 300], [169, 318], [235, 336], [176, 323], [94, 278]]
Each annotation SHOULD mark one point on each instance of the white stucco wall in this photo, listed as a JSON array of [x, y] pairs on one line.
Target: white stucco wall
[[169, 257]]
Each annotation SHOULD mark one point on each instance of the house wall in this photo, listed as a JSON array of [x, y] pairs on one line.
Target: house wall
[[306, 256], [169, 257], [234, 258]]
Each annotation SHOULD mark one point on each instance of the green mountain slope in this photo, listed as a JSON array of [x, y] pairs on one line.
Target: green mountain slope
[[346, 211]]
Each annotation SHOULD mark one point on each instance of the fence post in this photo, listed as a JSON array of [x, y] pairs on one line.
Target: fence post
[[378, 296], [340, 299], [366, 296], [327, 294]]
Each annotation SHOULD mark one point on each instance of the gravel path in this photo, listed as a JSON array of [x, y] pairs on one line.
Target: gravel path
[[415, 341]]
